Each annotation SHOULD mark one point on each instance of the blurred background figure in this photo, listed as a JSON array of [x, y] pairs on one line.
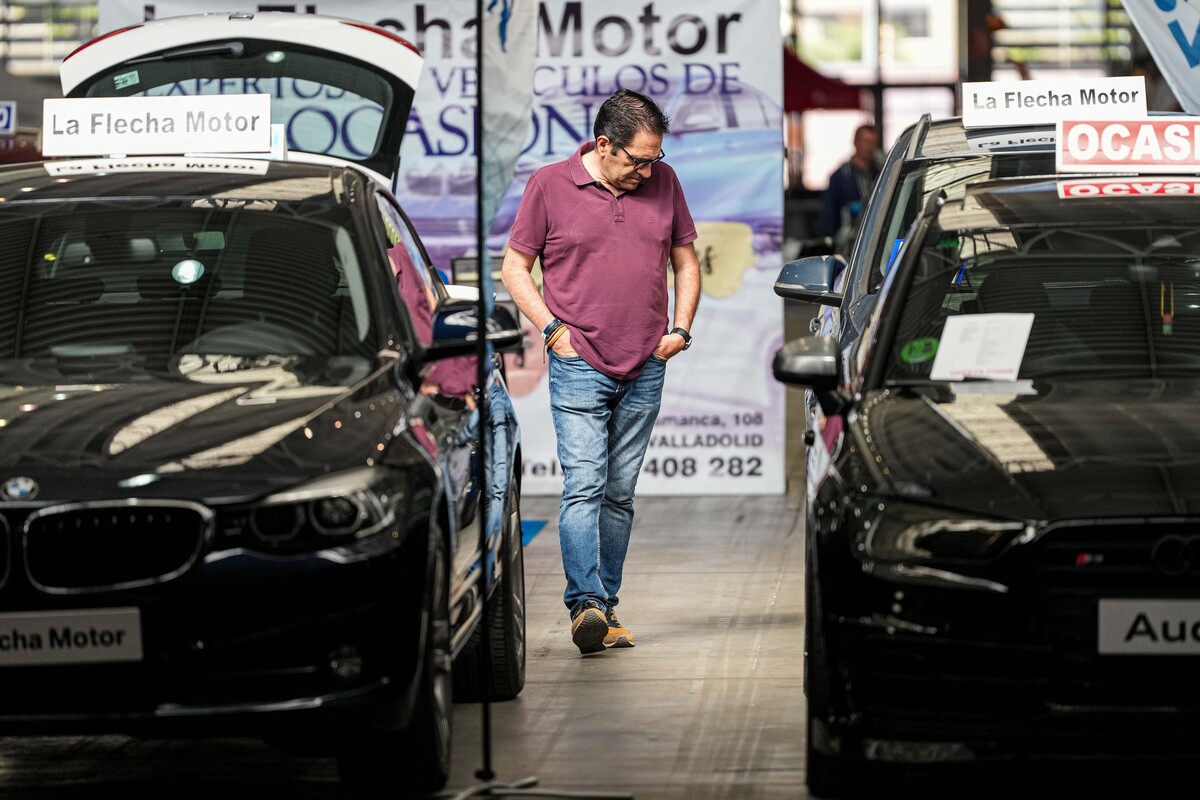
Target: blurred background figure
[[849, 186]]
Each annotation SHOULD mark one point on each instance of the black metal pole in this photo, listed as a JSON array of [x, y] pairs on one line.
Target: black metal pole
[[484, 261]]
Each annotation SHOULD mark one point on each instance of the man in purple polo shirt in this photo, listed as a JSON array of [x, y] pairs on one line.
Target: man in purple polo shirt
[[606, 223]]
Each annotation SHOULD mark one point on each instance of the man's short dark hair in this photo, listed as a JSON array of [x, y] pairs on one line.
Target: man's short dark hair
[[865, 128], [627, 112]]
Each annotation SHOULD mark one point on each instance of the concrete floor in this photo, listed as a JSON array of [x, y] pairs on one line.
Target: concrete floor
[[709, 704]]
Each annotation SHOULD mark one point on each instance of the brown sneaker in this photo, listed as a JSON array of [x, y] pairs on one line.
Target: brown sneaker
[[618, 635], [589, 629]]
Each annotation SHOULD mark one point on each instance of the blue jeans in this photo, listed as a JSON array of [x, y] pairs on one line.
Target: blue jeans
[[603, 428], [496, 474]]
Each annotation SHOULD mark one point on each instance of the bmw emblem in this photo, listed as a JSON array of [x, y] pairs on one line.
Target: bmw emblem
[[20, 488]]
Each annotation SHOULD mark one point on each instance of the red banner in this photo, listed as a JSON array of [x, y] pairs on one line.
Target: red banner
[[1132, 145]]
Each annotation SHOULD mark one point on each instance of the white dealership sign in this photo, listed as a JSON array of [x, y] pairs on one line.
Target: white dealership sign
[[1004, 103], [141, 125], [84, 636]]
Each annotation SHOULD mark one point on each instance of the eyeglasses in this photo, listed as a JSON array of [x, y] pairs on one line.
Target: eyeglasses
[[638, 163]]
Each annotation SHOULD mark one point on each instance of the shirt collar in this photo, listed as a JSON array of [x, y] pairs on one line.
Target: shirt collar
[[579, 173]]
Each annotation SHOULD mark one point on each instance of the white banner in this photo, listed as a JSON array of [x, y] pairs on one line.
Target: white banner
[[1171, 31], [94, 126], [1008, 103], [721, 428]]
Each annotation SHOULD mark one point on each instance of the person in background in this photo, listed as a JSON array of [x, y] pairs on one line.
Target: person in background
[[606, 223], [849, 187]]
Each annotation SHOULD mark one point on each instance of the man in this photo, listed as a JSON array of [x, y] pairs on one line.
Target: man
[[849, 186], [605, 222]]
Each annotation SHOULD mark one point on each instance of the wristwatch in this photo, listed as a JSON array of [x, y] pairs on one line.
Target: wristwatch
[[687, 337]]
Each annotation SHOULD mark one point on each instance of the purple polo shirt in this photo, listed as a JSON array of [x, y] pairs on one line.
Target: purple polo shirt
[[604, 258]]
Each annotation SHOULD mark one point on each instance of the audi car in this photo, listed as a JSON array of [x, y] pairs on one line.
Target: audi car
[[1001, 561], [247, 488]]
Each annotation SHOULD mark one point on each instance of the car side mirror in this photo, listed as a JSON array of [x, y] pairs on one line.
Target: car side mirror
[[811, 279], [814, 362], [456, 329]]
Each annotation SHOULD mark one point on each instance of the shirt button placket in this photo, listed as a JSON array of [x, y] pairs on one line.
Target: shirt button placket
[[618, 210]]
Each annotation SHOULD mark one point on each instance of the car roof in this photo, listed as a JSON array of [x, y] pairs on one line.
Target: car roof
[[1041, 201], [948, 138], [269, 53]]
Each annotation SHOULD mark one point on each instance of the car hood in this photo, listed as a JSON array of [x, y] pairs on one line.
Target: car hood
[[218, 427], [1079, 449]]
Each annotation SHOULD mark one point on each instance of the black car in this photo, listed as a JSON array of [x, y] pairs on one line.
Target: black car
[[928, 157], [1001, 539], [240, 452]]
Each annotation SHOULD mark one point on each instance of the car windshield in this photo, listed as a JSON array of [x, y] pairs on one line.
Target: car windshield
[[152, 278], [1020, 279], [953, 176]]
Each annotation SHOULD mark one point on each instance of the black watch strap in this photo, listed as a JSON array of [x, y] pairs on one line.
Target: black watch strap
[[687, 337]]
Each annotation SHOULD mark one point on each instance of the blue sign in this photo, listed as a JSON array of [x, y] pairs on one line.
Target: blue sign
[[8, 117]]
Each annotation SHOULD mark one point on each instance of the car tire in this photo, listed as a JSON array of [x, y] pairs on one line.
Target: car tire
[[832, 769], [414, 759], [828, 775], [497, 673]]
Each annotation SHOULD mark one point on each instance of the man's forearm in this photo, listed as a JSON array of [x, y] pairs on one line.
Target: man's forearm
[[518, 279], [686, 267]]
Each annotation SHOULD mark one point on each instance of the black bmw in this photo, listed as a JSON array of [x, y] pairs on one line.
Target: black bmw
[[245, 485], [239, 445]]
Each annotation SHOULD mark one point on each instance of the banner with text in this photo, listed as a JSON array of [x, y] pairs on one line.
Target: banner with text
[[721, 428], [1171, 32]]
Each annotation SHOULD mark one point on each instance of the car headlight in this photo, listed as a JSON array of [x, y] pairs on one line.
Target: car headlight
[[903, 532], [330, 511]]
